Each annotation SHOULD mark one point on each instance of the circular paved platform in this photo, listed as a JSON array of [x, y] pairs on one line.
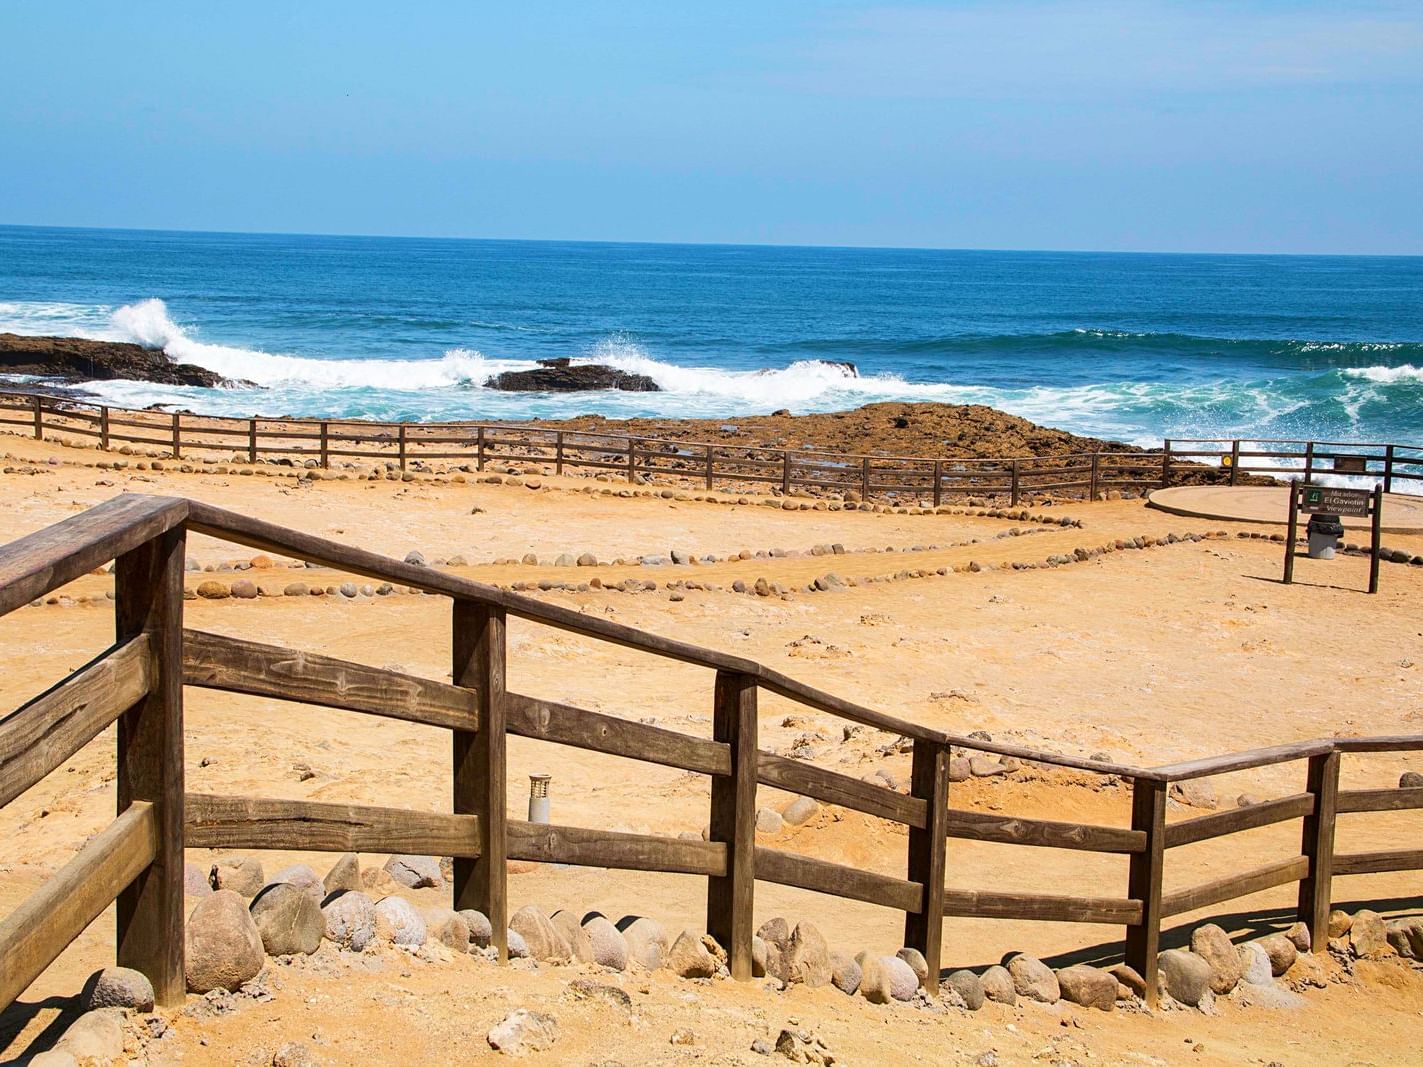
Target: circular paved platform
[[1270, 504]]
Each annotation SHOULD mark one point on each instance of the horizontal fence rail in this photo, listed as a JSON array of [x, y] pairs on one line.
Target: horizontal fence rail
[[139, 683], [902, 479]]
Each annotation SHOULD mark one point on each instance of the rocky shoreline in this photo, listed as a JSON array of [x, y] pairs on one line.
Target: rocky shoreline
[[73, 360], [940, 431]]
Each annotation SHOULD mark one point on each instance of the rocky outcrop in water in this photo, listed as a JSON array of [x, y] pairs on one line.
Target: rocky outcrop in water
[[561, 376], [77, 359]]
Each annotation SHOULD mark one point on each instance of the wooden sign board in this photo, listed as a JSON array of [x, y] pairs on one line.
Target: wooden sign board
[[1326, 500], [1323, 499]]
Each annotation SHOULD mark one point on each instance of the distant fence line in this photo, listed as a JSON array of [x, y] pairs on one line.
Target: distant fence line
[[139, 683], [714, 465]]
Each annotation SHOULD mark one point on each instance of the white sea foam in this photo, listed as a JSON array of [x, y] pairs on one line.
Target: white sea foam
[[148, 323], [1387, 375]]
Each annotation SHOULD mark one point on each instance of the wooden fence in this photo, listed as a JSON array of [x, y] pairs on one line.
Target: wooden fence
[[895, 478], [139, 682]]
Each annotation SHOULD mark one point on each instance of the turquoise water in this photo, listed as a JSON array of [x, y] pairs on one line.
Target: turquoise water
[[1129, 346]]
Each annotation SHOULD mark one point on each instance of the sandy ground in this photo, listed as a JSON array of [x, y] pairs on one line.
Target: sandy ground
[[1151, 656]]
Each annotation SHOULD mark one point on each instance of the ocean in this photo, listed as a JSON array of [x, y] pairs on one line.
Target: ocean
[[1127, 346]]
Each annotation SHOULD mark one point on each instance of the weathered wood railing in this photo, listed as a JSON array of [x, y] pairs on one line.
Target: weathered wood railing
[[139, 683], [709, 465]]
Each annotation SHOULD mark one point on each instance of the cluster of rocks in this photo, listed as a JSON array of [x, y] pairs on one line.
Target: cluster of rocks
[[240, 918], [253, 589], [1386, 553]]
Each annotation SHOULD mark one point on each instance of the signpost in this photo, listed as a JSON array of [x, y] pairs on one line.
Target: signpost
[[1327, 500]]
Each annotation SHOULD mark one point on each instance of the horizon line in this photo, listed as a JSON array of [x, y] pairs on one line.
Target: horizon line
[[703, 244]]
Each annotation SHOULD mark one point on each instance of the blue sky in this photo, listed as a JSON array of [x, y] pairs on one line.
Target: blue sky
[[1245, 126]]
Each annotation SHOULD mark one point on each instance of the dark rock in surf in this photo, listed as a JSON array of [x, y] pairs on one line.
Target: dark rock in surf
[[77, 359], [561, 376]]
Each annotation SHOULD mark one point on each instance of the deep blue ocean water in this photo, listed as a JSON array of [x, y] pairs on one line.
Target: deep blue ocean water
[[1129, 346]]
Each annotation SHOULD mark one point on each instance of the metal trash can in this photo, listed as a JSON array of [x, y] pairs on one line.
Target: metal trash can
[[538, 798], [1324, 532]]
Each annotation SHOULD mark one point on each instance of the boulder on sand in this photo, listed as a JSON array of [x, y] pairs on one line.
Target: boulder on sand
[[1254, 964], [481, 930], [998, 985], [1213, 945], [917, 963], [415, 872], [523, 1031], [223, 948], [1033, 979], [569, 926], [1368, 936], [344, 875], [886, 978], [1089, 986], [844, 973], [807, 957], [1281, 951], [350, 920], [304, 878], [241, 874], [970, 989], [1184, 976], [118, 987], [609, 946], [447, 927], [398, 922], [540, 935], [689, 958], [288, 919], [647, 941]]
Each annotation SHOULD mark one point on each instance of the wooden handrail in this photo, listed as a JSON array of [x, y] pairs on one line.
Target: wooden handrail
[[214, 821], [35, 933], [36, 565], [138, 683], [39, 736], [213, 661]]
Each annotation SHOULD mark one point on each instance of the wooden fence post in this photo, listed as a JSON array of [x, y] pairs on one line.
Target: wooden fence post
[[1166, 463], [480, 767], [401, 445], [251, 440], [730, 899], [929, 780], [1308, 462], [148, 597], [1317, 845], [1148, 814], [1292, 532], [632, 461], [39, 417], [1092, 490], [558, 453], [865, 479], [938, 483], [104, 427], [786, 472], [1375, 544], [325, 444], [177, 437], [1014, 495], [1388, 469], [711, 466], [1234, 461], [479, 450]]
